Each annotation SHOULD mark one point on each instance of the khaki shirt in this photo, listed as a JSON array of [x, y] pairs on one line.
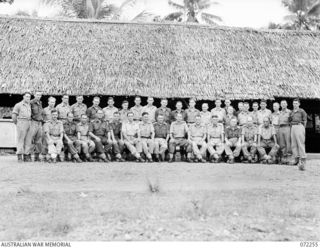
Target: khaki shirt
[[124, 115], [47, 114], [92, 111], [178, 129], [78, 110], [151, 110], [243, 117], [219, 112], [63, 110], [130, 129], [249, 132], [146, 129], [266, 133], [83, 129], [254, 115], [205, 117], [191, 115], [215, 132], [108, 112], [284, 117], [262, 114], [99, 127], [54, 128], [137, 111], [22, 110], [70, 129], [197, 131], [275, 118]]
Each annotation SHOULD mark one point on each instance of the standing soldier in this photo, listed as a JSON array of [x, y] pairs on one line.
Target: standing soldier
[[21, 116], [137, 109], [298, 121], [284, 132], [249, 140], [70, 140], [197, 134], [124, 111], [205, 114], [230, 115], [227, 104], [232, 139], [244, 114], [147, 136], [36, 126], [240, 109], [267, 139], [53, 130], [161, 138], [263, 112], [63, 109], [117, 140], [86, 143], [215, 136], [164, 110], [131, 136], [92, 111], [192, 112], [150, 109], [47, 110], [218, 111], [178, 132], [178, 110], [78, 109], [275, 118], [254, 113], [109, 110]]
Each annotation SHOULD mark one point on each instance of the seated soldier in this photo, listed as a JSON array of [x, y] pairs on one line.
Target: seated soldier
[[267, 139], [232, 140], [53, 130], [131, 136], [178, 132], [116, 136], [161, 137], [147, 136], [249, 140], [70, 141], [215, 136], [196, 137], [87, 145], [99, 131]]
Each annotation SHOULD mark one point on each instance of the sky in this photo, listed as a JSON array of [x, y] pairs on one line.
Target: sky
[[236, 13]]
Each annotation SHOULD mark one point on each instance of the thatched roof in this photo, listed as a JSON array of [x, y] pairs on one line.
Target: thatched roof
[[161, 60]]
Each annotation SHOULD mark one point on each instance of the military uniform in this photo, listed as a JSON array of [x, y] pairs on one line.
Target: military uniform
[[243, 118], [151, 110], [46, 118], [137, 112], [77, 110], [47, 113], [36, 127], [220, 112], [101, 129], [178, 130], [227, 119], [146, 131], [285, 133], [262, 114], [233, 134], [249, 134], [174, 115], [191, 114], [275, 121], [86, 143], [92, 111], [124, 115], [215, 140], [161, 131], [254, 115], [63, 110], [24, 132], [266, 141], [131, 130], [166, 112], [55, 145], [118, 144], [108, 113], [197, 133], [70, 130], [205, 118]]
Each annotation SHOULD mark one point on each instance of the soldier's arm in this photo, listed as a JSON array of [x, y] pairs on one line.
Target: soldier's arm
[[61, 132], [152, 133], [189, 135], [304, 118], [110, 140], [14, 118], [112, 136], [171, 132], [93, 136], [123, 133], [15, 113]]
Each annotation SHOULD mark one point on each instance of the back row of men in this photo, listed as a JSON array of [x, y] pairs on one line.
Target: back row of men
[[83, 132]]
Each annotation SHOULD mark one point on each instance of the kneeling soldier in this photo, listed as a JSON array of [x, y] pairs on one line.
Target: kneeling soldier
[[267, 139], [233, 139], [53, 130], [178, 132], [131, 136], [215, 135], [147, 136], [197, 136], [249, 140], [161, 137], [99, 131], [87, 145], [116, 135], [70, 140]]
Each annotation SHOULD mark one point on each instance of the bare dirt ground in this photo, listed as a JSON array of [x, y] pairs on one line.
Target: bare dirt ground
[[96, 201]]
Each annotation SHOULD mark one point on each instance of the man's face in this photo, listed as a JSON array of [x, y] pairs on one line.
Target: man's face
[[145, 118], [54, 116], [263, 105], [214, 121], [218, 103], [164, 103], [179, 117], [65, 99], [246, 107], [27, 98], [160, 118], [205, 107], [70, 117], [198, 120], [296, 104], [227, 102], [233, 122], [276, 107], [266, 122], [150, 100], [99, 114], [96, 102], [192, 103], [110, 102], [116, 116], [284, 104], [125, 106], [230, 110], [38, 95], [130, 117], [79, 99], [179, 105], [52, 103], [255, 107], [137, 101], [240, 106], [84, 119]]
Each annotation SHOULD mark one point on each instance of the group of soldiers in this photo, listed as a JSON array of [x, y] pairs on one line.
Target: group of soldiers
[[148, 133]]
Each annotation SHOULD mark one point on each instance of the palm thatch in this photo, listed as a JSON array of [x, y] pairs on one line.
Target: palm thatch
[[160, 60]]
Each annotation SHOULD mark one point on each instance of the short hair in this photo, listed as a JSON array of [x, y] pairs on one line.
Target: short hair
[[178, 102], [179, 114], [276, 103], [51, 98], [110, 98], [218, 99], [162, 115], [69, 113], [116, 113], [79, 96], [214, 116], [38, 91], [263, 101], [96, 97], [125, 101], [137, 97], [84, 115], [240, 103], [145, 113], [255, 103], [150, 97], [296, 100], [234, 118], [284, 100], [130, 113], [198, 116], [164, 99], [27, 93], [100, 111], [65, 95], [192, 99], [246, 103], [54, 111]]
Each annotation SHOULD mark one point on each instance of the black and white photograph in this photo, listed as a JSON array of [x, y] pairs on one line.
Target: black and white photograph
[[159, 120]]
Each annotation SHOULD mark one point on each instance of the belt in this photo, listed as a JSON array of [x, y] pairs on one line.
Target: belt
[[143, 137], [295, 124], [37, 120], [284, 125], [54, 135]]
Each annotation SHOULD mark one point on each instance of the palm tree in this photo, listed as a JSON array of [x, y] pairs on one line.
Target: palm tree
[[193, 11], [6, 1]]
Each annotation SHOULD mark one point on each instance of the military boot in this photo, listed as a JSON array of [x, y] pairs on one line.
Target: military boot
[[302, 164]]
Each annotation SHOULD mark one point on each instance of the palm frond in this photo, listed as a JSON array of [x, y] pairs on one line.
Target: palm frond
[[315, 10], [176, 5], [144, 16], [290, 18], [211, 16], [176, 16], [205, 4], [107, 11], [208, 20]]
